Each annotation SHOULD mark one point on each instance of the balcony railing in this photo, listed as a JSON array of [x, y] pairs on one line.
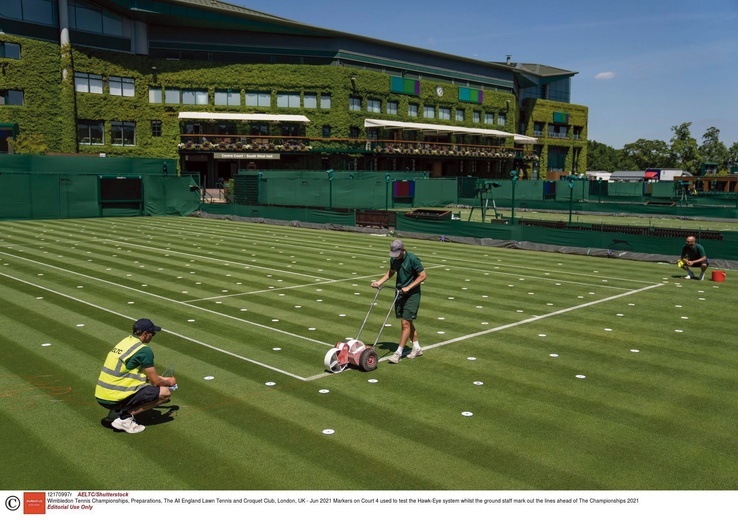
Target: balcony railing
[[293, 144]]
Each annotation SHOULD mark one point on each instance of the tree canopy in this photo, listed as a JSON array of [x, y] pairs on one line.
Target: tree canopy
[[682, 152]]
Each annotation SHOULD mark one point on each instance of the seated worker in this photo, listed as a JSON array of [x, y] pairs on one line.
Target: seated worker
[[693, 254], [128, 383]]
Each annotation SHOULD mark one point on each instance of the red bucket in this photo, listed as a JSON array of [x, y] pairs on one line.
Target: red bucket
[[718, 276]]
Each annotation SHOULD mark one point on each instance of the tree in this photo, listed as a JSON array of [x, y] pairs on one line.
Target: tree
[[601, 157], [646, 153], [684, 151], [30, 144], [732, 160], [712, 150]]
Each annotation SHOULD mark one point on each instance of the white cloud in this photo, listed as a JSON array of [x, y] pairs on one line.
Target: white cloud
[[605, 75]]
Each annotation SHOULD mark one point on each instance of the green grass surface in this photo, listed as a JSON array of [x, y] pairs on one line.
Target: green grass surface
[[257, 307]]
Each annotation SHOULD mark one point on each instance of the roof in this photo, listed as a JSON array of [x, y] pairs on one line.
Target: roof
[[447, 129], [234, 116]]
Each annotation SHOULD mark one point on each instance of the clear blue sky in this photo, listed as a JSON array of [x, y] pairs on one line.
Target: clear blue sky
[[643, 66]]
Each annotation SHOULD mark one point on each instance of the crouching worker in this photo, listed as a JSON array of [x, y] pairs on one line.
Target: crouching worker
[[128, 383], [693, 255]]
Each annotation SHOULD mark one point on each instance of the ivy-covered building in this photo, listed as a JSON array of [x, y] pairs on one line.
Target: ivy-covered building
[[224, 88]]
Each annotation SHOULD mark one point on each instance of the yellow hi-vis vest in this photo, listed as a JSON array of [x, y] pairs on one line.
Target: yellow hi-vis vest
[[116, 382]]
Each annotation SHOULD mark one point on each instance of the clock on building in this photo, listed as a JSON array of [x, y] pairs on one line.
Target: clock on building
[[439, 91]]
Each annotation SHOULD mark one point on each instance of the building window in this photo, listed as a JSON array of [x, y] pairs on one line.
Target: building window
[[372, 134], [259, 129], [354, 132], [123, 133], [155, 95], [288, 100], [121, 86], [310, 100], [228, 98], [538, 129], [459, 114], [373, 105], [258, 99], [489, 119], [326, 133], [86, 17], [10, 50], [155, 128], [429, 112], [194, 97], [476, 116], [444, 113], [172, 96], [325, 101], [90, 132], [577, 132], [501, 119], [91, 83], [560, 131], [36, 11], [412, 110], [11, 97], [354, 103], [392, 107]]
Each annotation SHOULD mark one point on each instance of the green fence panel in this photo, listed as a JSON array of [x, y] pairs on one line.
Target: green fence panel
[[580, 191], [296, 214], [625, 189], [435, 192], [86, 164], [78, 196], [169, 195], [15, 196], [664, 190], [456, 228], [46, 197]]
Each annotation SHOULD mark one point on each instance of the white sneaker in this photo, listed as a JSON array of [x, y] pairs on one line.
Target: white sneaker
[[417, 352], [394, 358], [689, 277], [702, 277], [128, 425]]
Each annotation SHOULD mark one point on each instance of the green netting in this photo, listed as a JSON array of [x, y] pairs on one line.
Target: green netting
[[86, 164], [70, 195], [727, 248]]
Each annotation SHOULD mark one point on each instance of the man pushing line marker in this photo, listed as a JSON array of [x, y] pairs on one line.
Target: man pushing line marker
[[410, 274]]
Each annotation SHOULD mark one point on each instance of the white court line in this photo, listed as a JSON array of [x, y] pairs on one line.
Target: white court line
[[154, 295], [518, 323], [542, 317], [261, 291], [318, 376], [167, 331], [210, 258]]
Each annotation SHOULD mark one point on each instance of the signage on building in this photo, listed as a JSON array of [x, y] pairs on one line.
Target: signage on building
[[240, 155]]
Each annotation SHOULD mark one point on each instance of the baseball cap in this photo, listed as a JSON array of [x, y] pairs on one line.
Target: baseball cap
[[145, 325], [396, 248]]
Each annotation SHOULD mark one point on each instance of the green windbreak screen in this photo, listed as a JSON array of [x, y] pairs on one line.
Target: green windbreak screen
[[52, 196]]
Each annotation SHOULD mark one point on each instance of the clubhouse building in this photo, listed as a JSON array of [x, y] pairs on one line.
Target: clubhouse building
[[223, 88]]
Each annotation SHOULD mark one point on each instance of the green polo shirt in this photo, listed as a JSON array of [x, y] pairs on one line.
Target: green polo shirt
[[407, 270]]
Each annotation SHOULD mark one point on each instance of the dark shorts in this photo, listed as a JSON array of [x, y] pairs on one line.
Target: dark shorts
[[407, 306], [144, 396]]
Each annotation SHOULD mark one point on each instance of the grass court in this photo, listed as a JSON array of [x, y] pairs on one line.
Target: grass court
[[541, 371]]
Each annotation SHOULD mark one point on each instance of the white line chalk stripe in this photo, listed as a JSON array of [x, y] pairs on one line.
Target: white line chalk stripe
[[537, 318], [153, 295], [522, 322], [167, 331]]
